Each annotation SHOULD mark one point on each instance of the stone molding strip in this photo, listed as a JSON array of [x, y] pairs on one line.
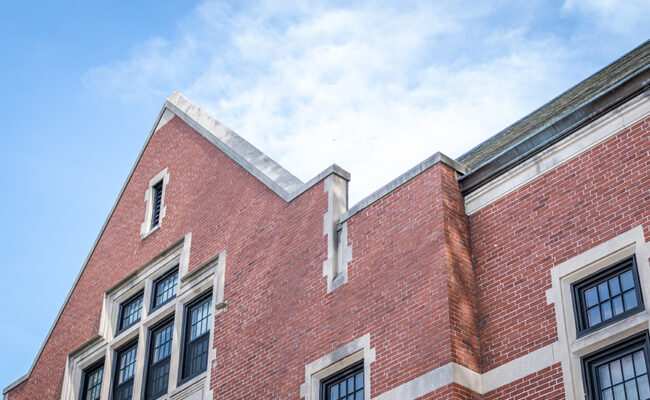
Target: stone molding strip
[[472, 380], [401, 180], [258, 164]]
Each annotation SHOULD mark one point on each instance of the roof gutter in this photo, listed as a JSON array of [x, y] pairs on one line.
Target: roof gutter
[[547, 136]]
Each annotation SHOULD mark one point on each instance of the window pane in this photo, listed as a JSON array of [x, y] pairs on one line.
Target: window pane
[[603, 292], [639, 363], [93, 384], [608, 394], [630, 389], [197, 338], [603, 373], [123, 389], [619, 392], [200, 320], [359, 380], [615, 369], [630, 299], [644, 388], [614, 287], [617, 303], [606, 309], [165, 289], [591, 297], [131, 312], [627, 281], [127, 364], [594, 316]]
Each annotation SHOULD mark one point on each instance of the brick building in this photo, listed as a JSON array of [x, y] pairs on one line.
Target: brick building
[[518, 271]]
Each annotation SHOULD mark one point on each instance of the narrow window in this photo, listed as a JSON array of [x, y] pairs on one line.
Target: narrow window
[[344, 385], [92, 382], [165, 288], [619, 371], [124, 372], [607, 296], [156, 197], [197, 334], [160, 349], [130, 312]]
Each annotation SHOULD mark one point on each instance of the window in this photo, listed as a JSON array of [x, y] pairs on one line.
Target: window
[[156, 197], [160, 350], [92, 382], [619, 371], [344, 385], [607, 296], [164, 289], [197, 333], [130, 312], [124, 373]]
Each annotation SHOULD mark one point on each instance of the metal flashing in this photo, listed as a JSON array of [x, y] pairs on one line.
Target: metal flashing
[[559, 129]]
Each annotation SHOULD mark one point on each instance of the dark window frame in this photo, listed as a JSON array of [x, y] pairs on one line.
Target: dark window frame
[[169, 320], [207, 295], [339, 376], [126, 302], [592, 361], [157, 190], [86, 373], [157, 281], [578, 288], [116, 368]]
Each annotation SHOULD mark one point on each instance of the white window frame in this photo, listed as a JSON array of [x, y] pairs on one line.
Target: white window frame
[[570, 349], [146, 229], [209, 276], [338, 360]]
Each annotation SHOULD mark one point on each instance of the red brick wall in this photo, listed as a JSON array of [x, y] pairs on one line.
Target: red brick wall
[[405, 278], [411, 284], [278, 322], [222, 205], [516, 240]]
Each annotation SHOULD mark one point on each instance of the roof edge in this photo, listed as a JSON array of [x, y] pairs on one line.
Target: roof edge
[[561, 128], [401, 180], [258, 164]]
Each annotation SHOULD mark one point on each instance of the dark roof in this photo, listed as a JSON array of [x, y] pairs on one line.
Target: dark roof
[[558, 107]]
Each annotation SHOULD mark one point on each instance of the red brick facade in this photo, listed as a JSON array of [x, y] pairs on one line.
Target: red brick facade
[[434, 288]]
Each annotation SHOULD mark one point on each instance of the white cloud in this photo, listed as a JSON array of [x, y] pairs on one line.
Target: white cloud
[[374, 88]]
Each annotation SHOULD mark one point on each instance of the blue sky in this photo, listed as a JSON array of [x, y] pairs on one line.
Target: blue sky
[[371, 86]]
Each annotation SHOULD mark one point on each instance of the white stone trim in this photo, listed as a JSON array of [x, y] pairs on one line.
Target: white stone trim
[[570, 348], [465, 377], [164, 119], [190, 285], [584, 139], [519, 368], [145, 228], [77, 362], [335, 361], [334, 269]]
